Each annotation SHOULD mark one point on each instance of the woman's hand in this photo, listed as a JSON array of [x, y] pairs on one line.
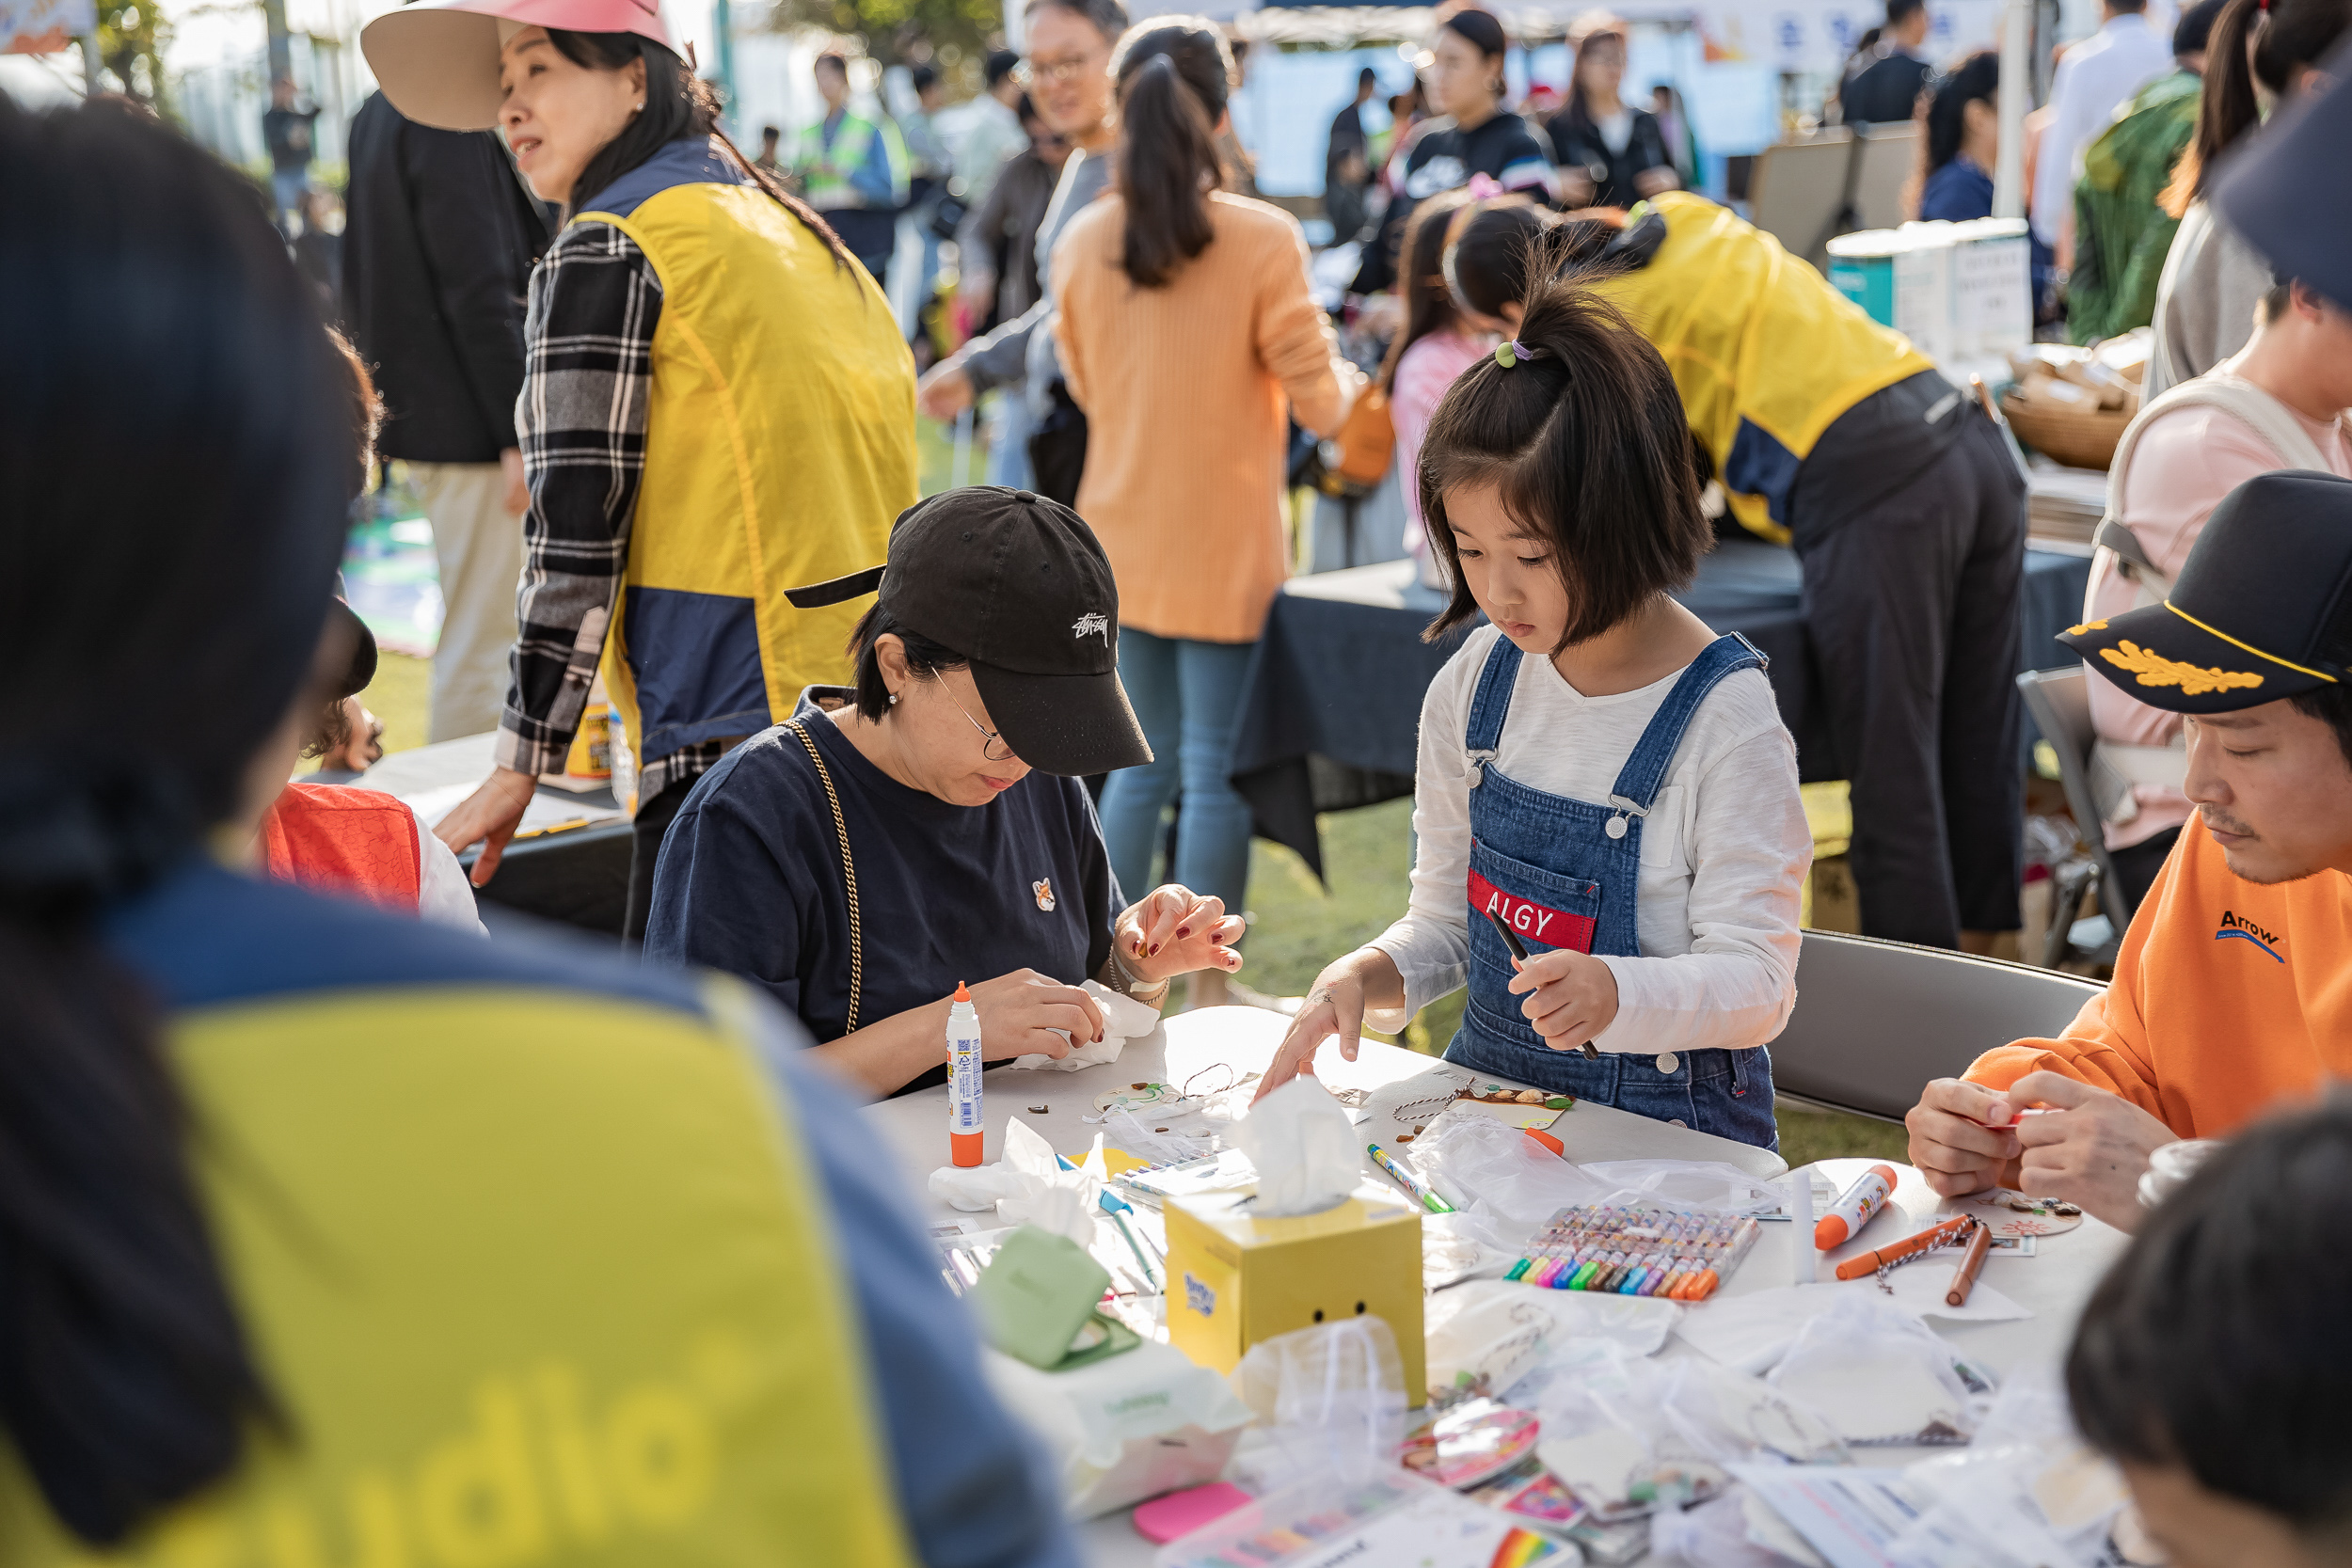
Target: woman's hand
[[1570, 996], [488, 816], [1651, 181], [1365, 978], [1173, 931], [1021, 1011]]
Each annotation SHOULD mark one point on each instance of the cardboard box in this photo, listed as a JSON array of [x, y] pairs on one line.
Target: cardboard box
[[1235, 1279]]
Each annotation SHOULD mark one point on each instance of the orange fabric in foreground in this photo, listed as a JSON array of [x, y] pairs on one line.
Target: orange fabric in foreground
[[336, 839], [2228, 998]]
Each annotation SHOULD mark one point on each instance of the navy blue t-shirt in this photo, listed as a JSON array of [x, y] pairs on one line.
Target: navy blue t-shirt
[[750, 881]]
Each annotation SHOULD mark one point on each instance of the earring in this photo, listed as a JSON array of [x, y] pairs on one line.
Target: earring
[[641, 108], [894, 699]]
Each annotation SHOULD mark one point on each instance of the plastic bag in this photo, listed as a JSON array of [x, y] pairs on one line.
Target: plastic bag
[[1328, 1399], [1127, 1428], [2027, 1492], [1495, 1332], [1877, 1374], [1736, 1531]]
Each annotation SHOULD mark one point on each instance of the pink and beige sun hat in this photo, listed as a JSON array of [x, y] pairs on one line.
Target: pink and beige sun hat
[[439, 61]]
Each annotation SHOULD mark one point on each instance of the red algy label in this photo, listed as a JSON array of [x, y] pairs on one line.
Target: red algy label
[[1533, 922]]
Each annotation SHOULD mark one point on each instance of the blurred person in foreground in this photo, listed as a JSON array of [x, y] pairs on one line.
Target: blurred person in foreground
[[716, 405], [2233, 991], [2209, 1362], [320, 1223]]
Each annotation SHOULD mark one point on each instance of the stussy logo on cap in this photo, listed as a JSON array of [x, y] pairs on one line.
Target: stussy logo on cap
[[1093, 623]]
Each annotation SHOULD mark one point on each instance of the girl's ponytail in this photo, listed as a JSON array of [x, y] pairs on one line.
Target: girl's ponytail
[[1175, 76], [2254, 45]]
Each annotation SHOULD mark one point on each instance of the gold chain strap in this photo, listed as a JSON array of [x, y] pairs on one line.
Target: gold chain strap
[[849, 874]]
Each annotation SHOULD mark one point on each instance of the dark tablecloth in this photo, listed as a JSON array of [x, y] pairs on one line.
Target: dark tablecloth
[[1330, 711]]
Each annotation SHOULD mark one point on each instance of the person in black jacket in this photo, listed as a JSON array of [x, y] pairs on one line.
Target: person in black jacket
[[1611, 153], [439, 238]]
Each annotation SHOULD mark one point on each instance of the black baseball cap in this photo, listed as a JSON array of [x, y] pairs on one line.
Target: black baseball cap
[[1018, 584], [2255, 614]]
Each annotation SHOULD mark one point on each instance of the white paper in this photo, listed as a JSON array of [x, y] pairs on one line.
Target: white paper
[[1846, 1513], [1307, 1151]]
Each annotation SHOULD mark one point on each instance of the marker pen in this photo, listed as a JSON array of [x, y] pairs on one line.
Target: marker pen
[[964, 1126], [1518, 951]]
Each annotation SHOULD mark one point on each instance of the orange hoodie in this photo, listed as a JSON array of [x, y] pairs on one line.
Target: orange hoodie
[[2228, 998]]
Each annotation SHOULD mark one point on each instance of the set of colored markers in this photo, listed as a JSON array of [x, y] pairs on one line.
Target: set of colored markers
[[1636, 1252]]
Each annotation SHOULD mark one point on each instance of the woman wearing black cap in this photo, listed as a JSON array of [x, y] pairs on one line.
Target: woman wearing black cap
[[890, 840]]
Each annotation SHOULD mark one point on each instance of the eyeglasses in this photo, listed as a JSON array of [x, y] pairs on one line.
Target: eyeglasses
[[993, 745], [1056, 70]]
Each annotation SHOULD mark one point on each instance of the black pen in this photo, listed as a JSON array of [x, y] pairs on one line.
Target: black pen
[[1518, 951]]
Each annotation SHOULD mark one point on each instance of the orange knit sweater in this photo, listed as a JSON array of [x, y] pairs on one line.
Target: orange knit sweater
[[1184, 388]]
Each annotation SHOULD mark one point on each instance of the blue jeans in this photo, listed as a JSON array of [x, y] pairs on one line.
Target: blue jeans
[[1187, 694]]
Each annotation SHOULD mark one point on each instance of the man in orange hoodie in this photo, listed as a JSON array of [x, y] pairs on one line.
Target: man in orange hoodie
[[2234, 987]]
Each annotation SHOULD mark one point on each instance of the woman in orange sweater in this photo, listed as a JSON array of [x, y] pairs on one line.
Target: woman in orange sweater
[[1187, 328]]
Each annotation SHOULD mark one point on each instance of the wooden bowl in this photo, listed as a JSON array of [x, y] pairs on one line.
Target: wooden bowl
[[2076, 439]]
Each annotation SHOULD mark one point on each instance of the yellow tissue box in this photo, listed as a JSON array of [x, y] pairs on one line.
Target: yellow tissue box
[[1235, 1279]]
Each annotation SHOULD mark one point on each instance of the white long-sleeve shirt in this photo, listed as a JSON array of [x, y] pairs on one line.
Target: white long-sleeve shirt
[[1725, 849], [2094, 78]]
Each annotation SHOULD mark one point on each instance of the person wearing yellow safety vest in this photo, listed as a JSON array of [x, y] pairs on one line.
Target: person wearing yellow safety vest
[[716, 405], [854, 170], [1902, 501], [326, 1235]]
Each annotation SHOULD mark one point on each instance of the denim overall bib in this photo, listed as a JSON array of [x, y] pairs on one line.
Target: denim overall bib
[[1565, 873]]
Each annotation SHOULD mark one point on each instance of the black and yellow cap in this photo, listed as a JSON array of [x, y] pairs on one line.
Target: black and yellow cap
[[2258, 613]]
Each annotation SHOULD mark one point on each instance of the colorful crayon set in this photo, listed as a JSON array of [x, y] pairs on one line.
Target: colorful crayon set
[[1636, 1252]]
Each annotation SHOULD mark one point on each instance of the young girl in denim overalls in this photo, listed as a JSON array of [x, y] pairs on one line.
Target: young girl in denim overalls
[[1599, 771]]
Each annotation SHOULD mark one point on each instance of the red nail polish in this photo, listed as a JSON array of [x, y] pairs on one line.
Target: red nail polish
[[1184, 930], [1155, 951]]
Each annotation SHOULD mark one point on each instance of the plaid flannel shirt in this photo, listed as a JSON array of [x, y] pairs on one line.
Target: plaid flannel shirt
[[587, 376]]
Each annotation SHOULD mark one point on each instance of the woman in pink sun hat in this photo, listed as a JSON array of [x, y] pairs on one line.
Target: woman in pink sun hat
[[716, 402]]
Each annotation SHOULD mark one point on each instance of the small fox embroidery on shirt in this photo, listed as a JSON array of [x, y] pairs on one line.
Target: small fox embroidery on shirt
[[1044, 891]]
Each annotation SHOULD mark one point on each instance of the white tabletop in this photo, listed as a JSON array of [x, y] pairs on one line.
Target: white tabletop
[[2053, 1284]]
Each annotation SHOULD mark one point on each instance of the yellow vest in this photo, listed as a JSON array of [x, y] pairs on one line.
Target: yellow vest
[[1764, 352], [536, 1276], [779, 448]]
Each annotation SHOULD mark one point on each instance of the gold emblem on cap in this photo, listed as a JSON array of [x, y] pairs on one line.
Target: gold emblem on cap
[[2086, 627], [2152, 668]]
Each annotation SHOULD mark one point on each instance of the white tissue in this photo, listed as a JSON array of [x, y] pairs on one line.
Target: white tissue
[[1306, 1149], [1026, 1187], [1124, 1018]]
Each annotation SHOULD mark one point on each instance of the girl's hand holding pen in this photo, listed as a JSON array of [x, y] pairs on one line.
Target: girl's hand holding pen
[[1571, 997]]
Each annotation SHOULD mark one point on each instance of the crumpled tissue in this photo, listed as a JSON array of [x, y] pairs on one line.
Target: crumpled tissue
[[1305, 1148], [1026, 1187], [1124, 1018]]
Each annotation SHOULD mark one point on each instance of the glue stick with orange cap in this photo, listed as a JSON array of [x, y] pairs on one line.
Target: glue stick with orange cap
[[1852, 1211], [963, 1079]]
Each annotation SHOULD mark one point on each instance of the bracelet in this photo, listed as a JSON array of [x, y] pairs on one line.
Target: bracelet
[[1132, 981]]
